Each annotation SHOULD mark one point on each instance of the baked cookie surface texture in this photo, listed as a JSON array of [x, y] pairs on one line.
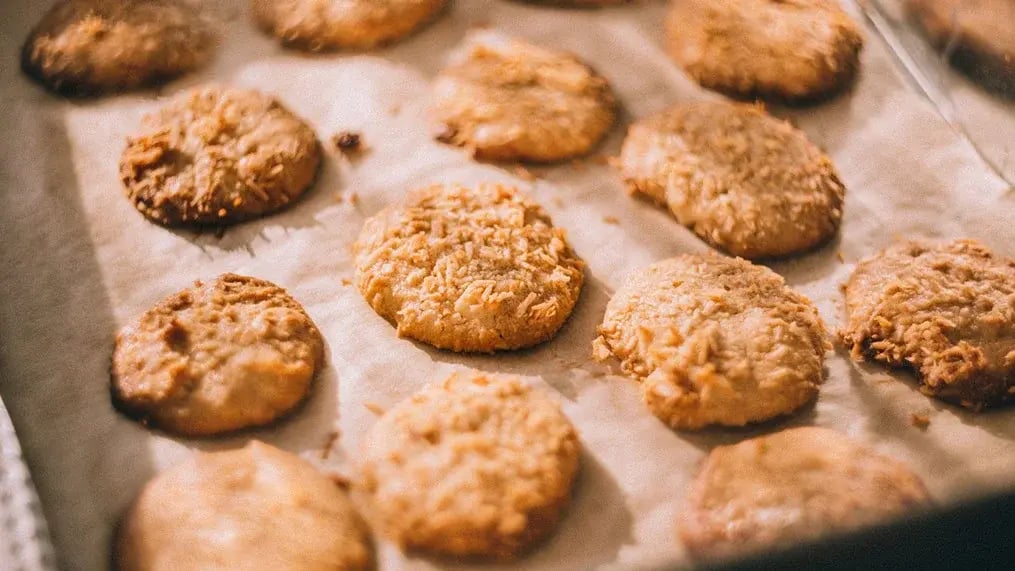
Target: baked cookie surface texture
[[471, 466], [317, 25], [714, 341], [946, 311], [742, 180], [255, 508], [508, 100], [215, 156], [468, 269], [791, 487], [231, 353], [86, 47], [788, 50]]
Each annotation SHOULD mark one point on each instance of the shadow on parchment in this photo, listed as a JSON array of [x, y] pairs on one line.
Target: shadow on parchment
[[997, 421], [57, 332]]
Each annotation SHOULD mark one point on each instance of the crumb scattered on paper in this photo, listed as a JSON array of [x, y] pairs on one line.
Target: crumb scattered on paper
[[329, 443], [348, 142], [374, 407], [919, 420], [341, 481], [523, 173], [838, 256], [610, 219]]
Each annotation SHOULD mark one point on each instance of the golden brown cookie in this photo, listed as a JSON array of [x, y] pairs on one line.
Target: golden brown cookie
[[791, 487], [217, 156], [508, 100], [714, 340], [469, 269], [84, 47], [472, 466], [790, 50], [256, 508], [743, 181], [343, 24], [232, 353], [946, 311], [978, 35]]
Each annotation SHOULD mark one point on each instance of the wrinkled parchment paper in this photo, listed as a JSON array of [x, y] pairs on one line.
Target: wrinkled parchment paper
[[77, 261]]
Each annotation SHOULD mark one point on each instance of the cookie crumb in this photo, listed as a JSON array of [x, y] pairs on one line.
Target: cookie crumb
[[838, 256], [329, 442], [348, 142], [353, 198], [374, 407], [523, 173], [346, 282], [919, 420], [340, 481], [611, 220], [395, 109]]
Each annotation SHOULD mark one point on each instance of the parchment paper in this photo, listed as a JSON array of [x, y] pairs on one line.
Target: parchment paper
[[78, 262]]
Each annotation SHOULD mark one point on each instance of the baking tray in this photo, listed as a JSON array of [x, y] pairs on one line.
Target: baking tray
[[79, 262]]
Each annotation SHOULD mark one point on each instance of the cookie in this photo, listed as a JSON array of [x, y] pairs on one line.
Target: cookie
[[976, 34], [507, 100], [472, 466], [216, 156], [229, 354], [946, 311], [318, 25], [791, 487], [85, 47], [714, 340], [742, 180], [468, 269], [790, 51], [256, 508]]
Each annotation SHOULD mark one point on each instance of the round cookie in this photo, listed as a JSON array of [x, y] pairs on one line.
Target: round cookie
[[714, 340], [508, 100], [343, 24], [84, 47], [233, 353], [256, 508], [946, 310], [977, 34], [472, 466], [468, 269], [217, 156], [742, 180], [791, 51], [791, 487]]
